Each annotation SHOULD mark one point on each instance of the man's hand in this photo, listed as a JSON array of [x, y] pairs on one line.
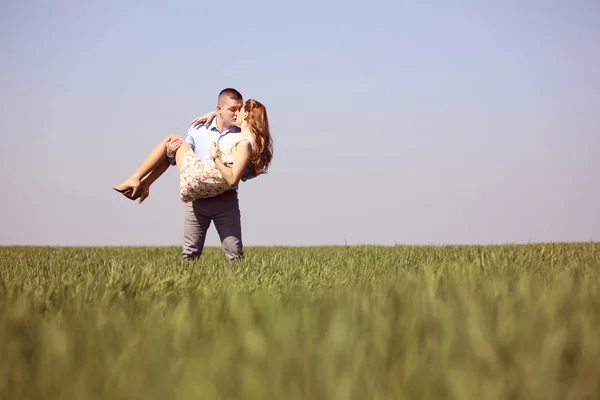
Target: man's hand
[[172, 146], [214, 150], [208, 117]]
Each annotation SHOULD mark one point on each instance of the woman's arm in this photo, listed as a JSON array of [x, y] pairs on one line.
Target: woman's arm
[[242, 156]]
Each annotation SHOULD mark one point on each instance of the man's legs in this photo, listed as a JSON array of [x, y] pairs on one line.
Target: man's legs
[[225, 212], [196, 222], [227, 217]]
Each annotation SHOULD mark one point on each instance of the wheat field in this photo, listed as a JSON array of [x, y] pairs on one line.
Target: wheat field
[[354, 322]]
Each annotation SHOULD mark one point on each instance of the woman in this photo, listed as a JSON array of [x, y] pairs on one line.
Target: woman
[[209, 178]]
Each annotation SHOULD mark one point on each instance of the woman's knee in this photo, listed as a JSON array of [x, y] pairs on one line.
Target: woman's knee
[[172, 136]]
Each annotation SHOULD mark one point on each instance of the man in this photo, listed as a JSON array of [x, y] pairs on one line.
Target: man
[[223, 209]]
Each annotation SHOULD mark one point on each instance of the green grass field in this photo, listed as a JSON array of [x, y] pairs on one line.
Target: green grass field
[[493, 322]]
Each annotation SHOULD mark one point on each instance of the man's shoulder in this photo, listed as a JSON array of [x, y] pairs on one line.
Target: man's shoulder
[[195, 128]]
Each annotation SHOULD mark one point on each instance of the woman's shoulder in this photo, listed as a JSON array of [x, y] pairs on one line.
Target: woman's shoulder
[[250, 139]]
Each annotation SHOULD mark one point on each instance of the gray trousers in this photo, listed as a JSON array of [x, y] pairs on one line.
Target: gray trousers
[[224, 210]]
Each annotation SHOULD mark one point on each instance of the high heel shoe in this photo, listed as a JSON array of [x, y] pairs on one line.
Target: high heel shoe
[[126, 191]]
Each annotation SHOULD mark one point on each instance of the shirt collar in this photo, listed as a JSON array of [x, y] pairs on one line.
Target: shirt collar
[[213, 127]]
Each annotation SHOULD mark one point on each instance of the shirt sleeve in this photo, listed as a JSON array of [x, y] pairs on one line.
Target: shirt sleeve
[[247, 174], [190, 140]]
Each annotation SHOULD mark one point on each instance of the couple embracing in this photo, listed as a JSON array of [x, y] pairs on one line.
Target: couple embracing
[[221, 149]]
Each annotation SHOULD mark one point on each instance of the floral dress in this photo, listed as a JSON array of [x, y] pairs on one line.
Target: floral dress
[[200, 178]]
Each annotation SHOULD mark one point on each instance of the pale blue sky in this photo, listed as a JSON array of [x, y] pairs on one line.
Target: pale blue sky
[[393, 121]]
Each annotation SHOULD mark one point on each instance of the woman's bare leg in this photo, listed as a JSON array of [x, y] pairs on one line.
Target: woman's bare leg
[[164, 165], [154, 160], [156, 173], [144, 188], [181, 151]]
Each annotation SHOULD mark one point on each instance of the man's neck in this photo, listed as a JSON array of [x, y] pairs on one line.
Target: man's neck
[[221, 125]]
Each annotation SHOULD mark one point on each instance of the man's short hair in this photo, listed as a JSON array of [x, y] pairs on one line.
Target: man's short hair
[[231, 93]]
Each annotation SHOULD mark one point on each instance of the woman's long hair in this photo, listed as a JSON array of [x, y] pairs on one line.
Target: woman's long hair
[[258, 122]]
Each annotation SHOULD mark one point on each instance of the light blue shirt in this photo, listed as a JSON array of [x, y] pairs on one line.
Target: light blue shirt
[[200, 138]]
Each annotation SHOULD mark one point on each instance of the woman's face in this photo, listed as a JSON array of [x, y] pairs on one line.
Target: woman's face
[[240, 116]]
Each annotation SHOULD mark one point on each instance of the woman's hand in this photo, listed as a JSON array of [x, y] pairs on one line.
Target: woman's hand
[[208, 117], [214, 150], [242, 157]]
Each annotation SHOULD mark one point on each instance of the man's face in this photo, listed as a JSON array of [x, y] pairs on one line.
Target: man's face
[[240, 116], [227, 110]]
